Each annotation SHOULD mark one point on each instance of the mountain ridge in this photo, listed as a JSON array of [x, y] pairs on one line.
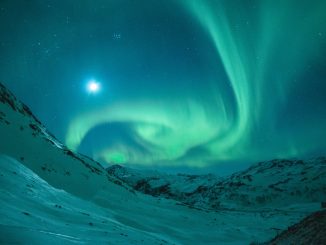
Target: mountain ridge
[[49, 193], [275, 183], [25, 134]]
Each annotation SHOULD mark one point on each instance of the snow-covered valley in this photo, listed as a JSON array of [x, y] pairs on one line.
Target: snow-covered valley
[[49, 194]]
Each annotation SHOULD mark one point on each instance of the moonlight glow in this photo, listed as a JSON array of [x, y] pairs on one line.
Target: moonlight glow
[[93, 86], [192, 83], [198, 114]]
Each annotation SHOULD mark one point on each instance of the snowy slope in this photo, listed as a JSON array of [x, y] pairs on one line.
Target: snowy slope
[[26, 139], [51, 195], [34, 212], [271, 184]]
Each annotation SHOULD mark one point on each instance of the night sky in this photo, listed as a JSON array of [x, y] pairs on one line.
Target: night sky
[[175, 84]]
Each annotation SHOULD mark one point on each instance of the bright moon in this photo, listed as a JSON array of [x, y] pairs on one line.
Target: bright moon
[[93, 86]]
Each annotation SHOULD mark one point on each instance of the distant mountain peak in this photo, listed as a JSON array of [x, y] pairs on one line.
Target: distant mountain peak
[[269, 184]]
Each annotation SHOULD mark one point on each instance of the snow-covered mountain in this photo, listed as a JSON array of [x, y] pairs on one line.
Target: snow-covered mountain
[[49, 194], [27, 140], [158, 184], [271, 184]]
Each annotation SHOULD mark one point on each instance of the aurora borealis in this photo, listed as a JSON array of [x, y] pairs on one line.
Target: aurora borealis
[[183, 82]]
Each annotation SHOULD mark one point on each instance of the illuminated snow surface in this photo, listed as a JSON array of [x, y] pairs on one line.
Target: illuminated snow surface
[[54, 196], [33, 211]]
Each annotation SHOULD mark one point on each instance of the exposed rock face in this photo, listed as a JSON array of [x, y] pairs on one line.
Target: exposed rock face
[[178, 187], [311, 230]]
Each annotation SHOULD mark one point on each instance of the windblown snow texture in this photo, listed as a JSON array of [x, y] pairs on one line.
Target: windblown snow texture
[[49, 194]]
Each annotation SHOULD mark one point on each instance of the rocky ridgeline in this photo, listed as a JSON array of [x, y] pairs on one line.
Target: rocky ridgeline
[[272, 184], [28, 140]]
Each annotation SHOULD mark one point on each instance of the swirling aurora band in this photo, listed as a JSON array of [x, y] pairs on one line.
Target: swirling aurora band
[[264, 47]]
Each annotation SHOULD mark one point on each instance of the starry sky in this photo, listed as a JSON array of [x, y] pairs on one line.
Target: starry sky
[[180, 84]]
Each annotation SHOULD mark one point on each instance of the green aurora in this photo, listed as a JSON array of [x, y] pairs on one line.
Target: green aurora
[[246, 39], [184, 83]]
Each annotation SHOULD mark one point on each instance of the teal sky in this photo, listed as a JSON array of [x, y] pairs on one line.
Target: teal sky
[[184, 84]]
